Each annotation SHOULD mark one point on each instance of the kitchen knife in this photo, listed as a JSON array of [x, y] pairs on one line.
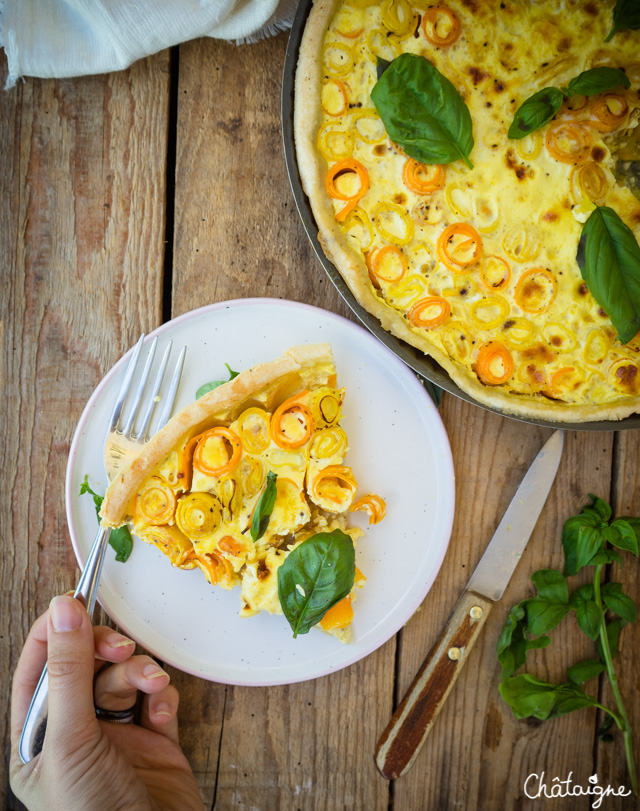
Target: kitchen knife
[[402, 739]]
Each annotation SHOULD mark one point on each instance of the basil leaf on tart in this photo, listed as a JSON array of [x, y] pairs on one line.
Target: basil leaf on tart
[[314, 577], [596, 80], [423, 112], [626, 14], [535, 112], [264, 507], [609, 260]]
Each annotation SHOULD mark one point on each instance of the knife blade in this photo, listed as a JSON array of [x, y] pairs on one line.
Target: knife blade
[[412, 721]]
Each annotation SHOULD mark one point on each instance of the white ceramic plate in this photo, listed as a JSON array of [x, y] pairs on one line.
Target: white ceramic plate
[[399, 449]]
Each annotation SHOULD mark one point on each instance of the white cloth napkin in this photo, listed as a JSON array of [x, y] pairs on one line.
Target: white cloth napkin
[[59, 38]]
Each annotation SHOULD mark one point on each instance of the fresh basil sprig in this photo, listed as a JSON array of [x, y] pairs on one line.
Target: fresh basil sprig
[[609, 260], [626, 14], [264, 507], [535, 112], [422, 111], [206, 387], [592, 539], [540, 108], [119, 539], [314, 577]]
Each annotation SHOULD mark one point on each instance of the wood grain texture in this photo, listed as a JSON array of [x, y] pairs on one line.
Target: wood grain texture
[[82, 170], [610, 764], [237, 235]]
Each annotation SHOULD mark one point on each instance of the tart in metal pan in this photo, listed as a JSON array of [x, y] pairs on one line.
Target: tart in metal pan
[[423, 363]]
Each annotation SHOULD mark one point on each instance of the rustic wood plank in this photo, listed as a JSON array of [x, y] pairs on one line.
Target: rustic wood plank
[[478, 755], [610, 762], [238, 235], [82, 168]]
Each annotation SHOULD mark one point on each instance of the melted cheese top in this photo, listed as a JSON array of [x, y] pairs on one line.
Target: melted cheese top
[[484, 266]]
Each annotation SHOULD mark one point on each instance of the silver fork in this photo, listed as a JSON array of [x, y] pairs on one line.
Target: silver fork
[[121, 444]]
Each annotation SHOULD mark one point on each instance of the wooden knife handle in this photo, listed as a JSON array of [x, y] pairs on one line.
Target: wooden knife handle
[[412, 721]]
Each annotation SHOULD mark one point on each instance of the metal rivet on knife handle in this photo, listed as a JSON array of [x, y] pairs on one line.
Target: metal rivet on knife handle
[[416, 713], [476, 612]]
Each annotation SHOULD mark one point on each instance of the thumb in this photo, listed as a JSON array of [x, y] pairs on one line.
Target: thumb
[[70, 664]]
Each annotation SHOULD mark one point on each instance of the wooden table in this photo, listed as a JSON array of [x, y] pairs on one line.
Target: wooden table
[[130, 198]]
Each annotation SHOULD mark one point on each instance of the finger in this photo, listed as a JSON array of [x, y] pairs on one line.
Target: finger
[[28, 670], [160, 713], [116, 687], [110, 646], [70, 661]]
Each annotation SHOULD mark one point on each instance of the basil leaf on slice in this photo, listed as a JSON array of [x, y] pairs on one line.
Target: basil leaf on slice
[[597, 80], [609, 260], [381, 66], [264, 507], [215, 383], [120, 539], [423, 112], [626, 14], [314, 577], [535, 112]]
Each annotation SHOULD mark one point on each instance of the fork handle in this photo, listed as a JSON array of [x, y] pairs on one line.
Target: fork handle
[[35, 723]]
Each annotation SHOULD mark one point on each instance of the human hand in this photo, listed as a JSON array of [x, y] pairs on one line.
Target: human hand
[[85, 763]]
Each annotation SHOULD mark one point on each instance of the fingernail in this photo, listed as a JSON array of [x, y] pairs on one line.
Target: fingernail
[[118, 641], [153, 672], [163, 709], [65, 613]]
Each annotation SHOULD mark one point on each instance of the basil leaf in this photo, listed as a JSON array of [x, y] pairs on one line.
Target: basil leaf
[[627, 537], [381, 66], [120, 539], [597, 80], [618, 602], [97, 500], [581, 595], [570, 534], [514, 643], [604, 557], [535, 112], [551, 585], [543, 616], [422, 111], [609, 260], [314, 577], [599, 506], [264, 507], [528, 696], [626, 14], [589, 617], [215, 383], [570, 697], [531, 697], [590, 541], [121, 542], [585, 670]]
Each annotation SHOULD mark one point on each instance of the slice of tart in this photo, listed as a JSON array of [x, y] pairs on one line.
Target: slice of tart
[[248, 483]]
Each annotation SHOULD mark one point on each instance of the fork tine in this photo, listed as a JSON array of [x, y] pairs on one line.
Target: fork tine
[[135, 405], [124, 386], [167, 408], [142, 432]]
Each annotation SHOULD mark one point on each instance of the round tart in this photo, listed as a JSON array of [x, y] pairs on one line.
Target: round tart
[[514, 261]]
